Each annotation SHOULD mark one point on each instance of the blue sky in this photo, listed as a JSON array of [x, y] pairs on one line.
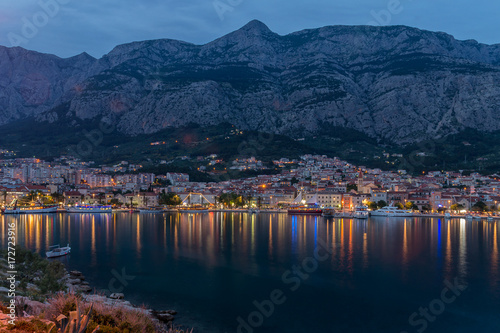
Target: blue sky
[[70, 27]]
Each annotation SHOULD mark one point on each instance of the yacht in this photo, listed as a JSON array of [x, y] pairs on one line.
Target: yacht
[[57, 251], [361, 212], [151, 210], [194, 209], [305, 210], [90, 209], [36, 209], [392, 211]]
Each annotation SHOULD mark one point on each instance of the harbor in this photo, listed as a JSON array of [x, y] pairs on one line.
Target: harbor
[[377, 265]]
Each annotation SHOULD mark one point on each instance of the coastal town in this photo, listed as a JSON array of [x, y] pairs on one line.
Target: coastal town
[[320, 180]]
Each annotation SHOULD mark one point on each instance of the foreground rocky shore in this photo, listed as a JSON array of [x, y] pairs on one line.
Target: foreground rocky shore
[[45, 290], [75, 282]]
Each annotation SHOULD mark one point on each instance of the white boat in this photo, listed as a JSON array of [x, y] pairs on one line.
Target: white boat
[[58, 251], [151, 210], [490, 219], [193, 209], [90, 209], [37, 209], [361, 212], [468, 217], [447, 215], [392, 211], [253, 211]]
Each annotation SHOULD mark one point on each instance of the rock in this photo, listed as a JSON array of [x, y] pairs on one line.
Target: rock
[[74, 281], [117, 296], [164, 317], [172, 312], [83, 289], [4, 290], [85, 283], [76, 273], [30, 307]]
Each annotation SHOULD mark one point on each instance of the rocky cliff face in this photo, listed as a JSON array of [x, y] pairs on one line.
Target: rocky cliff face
[[397, 83]]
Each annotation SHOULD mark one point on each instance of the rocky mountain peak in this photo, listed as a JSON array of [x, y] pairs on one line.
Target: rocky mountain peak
[[397, 83], [256, 27]]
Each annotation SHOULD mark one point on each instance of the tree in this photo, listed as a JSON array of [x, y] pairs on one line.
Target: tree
[[169, 199], [381, 204], [57, 197], [410, 205], [399, 205], [231, 199], [294, 180], [249, 200], [426, 208], [4, 194], [479, 207], [372, 205], [115, 202], [456, 207]]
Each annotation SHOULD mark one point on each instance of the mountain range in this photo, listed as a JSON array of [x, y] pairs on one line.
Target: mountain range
[[392, 83]]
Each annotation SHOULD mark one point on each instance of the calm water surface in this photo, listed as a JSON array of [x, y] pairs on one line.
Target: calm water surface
[[373, 276]]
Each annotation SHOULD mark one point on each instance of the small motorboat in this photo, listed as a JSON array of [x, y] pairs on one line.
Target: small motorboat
[[328, 212], [154, 210], [253, 211], [58, 251]]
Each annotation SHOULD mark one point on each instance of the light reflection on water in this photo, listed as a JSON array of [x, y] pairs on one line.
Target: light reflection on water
[[214, 262]]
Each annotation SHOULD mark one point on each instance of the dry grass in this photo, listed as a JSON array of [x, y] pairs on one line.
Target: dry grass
[[110, 318]]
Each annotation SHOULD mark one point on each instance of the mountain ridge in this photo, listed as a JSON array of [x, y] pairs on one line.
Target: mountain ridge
[[394, 83]]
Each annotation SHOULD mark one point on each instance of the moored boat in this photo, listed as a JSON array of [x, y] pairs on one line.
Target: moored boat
[[328, 212], [36, 209], [58, 251], [253, 211], [151, 210], [90, 209], [391, 211], [193, 209], [305, 210], [361, 212]]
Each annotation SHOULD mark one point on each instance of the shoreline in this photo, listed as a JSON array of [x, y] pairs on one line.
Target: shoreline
[[76, 282]]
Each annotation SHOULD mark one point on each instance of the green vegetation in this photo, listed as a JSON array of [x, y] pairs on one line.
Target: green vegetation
[[180, 147], [480, 207], [381, 204], [40, 280], [232, 200], [457, 207], [169, 199], [37, 277]]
